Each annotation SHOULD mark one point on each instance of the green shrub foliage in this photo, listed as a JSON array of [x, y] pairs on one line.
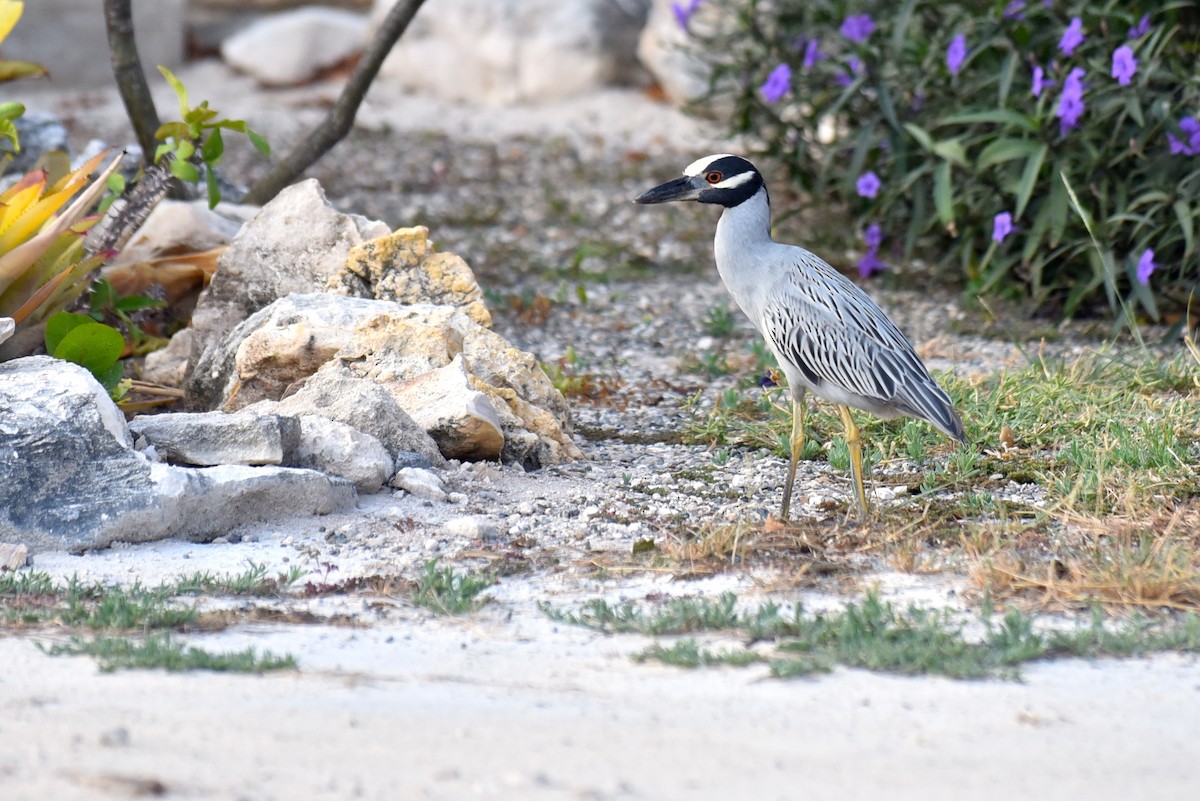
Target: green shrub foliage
[[988, 136]]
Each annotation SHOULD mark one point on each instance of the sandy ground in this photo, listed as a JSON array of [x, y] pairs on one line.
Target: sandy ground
[[507, 704]]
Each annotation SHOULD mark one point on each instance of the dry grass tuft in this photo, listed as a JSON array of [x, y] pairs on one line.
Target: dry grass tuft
[[1146, 562]]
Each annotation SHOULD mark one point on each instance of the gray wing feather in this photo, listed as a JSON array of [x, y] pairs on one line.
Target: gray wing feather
[[834, 334]]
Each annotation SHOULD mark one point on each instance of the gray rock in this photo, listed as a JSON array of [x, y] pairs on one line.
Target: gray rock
[[216, 438], [168, 366], [295, 244], [506, 51], [668, 52], [474, 527], [413, 459], [292, 47], [70, 479], [336, 394], [420, 482], [338, 450], [40, 133]]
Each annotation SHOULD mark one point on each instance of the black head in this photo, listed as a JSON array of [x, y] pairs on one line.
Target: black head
[[722, 179]]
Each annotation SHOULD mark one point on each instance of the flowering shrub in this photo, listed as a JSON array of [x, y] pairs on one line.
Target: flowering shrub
[[1046, 148]]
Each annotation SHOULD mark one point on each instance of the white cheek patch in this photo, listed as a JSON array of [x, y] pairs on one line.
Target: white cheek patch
[[734, 182], [701, 165]]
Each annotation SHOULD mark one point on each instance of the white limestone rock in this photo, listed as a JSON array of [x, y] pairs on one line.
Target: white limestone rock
[[501, 52], [206, 439], [338, 450], [293, 47]]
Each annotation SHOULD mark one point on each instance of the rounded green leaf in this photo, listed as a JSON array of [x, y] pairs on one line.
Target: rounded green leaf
[[61, 324], [93, 346]]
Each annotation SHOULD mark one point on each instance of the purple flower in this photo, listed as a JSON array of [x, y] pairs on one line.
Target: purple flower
[[956, 53], [1039, 81], [684, 11], [1072, 37], [1013, 10], [855, 65], [1002, 226], [777, 84], [873, 236], [1124, 64], [812, 53], [868, 184], [1070, 105], [1191, 127], [1141, 29], [870, 264], [1145, 267], [858, 28]]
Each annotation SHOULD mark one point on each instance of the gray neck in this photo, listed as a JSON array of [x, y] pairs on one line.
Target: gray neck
[[743, 234]]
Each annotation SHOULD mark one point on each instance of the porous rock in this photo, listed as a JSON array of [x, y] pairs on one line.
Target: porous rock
[[69, 477], [336, 394], [294, 244], [292, 47], [392, 345], [338, 450], [206, 439], [461, 419], [405, 267]]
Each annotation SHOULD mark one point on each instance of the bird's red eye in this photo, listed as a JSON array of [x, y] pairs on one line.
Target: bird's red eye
[[714, 177]]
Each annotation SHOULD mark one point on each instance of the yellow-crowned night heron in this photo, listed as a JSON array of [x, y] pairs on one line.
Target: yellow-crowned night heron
[[827, 335]]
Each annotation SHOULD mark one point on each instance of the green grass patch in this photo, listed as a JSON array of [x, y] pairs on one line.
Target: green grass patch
[[440, 589], [161, 650], [875, 635], [1098, 433]]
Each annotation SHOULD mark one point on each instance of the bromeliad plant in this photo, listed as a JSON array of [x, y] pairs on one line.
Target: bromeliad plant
[[43, 264], [960, 129]]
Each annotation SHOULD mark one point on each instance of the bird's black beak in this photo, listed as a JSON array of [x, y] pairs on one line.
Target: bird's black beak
[[685, 188]]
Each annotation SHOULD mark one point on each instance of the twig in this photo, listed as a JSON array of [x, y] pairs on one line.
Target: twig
[[340, 119]]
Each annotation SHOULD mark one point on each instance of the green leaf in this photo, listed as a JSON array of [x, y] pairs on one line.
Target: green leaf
[[1008, 149], [11, 110], [185, 171], [61, 324], [180, 91], [943, 196], [213, 147], [922, 137], [1029, 178], [137, 303], [184, 150], [998, 116], [111, 377], [93, 345], [179, 131], [1134, 107], [1183, 213], [951, 150], [259, 141], [214, 188]]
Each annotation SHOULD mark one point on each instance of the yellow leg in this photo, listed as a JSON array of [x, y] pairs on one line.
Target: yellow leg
[[797, 448], [854, 443]]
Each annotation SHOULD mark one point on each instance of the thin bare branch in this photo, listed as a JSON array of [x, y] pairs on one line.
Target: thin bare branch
[[131, 80], [338, 121]]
